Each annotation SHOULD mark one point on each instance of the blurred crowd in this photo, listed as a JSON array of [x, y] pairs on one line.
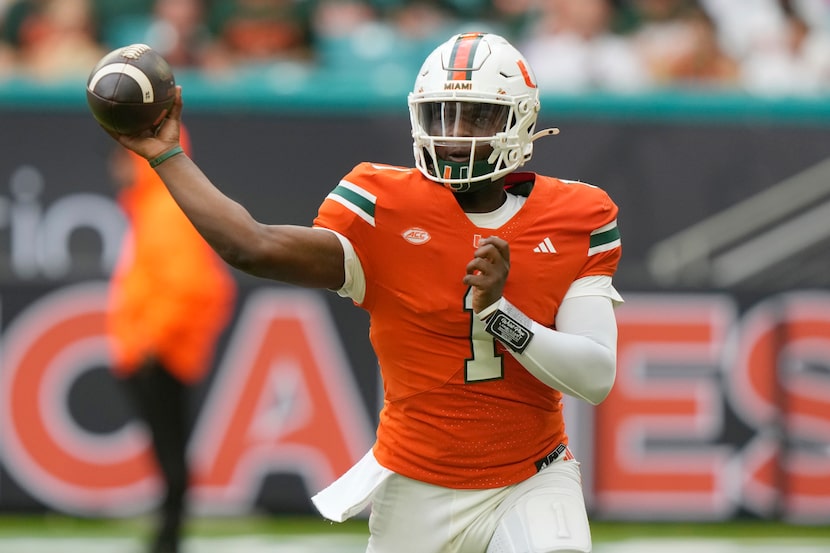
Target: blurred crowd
[[766, 47]]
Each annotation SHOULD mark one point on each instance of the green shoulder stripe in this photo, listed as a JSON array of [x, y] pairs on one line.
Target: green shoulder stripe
[[356, 199], [605, 238]]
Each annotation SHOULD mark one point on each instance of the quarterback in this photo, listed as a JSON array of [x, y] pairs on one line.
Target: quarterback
[[490, 295]]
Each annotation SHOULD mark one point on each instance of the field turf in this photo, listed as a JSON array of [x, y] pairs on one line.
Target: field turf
[[277, 534]]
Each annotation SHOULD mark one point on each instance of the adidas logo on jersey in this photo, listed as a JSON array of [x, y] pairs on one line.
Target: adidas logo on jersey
[[545, 246]]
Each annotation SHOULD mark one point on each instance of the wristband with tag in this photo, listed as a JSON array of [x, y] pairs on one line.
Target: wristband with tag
[[510, 326]]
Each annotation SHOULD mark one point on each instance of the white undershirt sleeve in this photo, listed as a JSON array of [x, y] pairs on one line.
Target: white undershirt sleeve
[[354, 286], [579, 358]]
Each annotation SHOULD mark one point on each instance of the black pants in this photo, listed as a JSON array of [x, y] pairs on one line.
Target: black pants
[[161, 402]]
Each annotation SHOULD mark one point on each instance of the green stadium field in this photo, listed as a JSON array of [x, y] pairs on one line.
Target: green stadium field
[[280, 534]]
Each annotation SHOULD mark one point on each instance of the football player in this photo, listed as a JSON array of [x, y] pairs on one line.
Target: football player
[[490, 295]]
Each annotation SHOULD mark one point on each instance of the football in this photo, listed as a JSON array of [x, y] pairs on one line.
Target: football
[[131, 89]]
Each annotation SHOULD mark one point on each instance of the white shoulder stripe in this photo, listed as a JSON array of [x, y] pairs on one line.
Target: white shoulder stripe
[[570, 181], [353, 208], [355, 199], [604, 247], [358, 190], [604, 228], [391, 168]]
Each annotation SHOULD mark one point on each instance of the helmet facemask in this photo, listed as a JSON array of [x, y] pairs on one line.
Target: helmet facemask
[[466, 144]]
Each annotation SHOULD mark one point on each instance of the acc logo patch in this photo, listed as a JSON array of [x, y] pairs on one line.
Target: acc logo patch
[[416, 236]]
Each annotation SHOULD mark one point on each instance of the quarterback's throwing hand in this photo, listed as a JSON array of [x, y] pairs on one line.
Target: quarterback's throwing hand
[[151, 144], [487, 271]]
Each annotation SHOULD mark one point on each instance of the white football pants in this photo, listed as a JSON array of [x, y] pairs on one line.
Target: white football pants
[[544, 514]]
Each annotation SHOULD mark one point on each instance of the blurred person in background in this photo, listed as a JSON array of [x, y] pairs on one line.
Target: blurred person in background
[[422, 22], [338, 19], [7, 50], [170, 299], [7, 62], [383, 41], [260, 32], [795, 59], [701, 62], [573, 48], [53, 40], [515, 15], [745, 25], [679, 43], [812, 47], [178, 30], [360, 38]]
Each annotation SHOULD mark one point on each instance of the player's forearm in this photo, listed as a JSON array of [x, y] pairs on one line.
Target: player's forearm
[[574, 365], [222, 222], [287, 253], [578, 359]]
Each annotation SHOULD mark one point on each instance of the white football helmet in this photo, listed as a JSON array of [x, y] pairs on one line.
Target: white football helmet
[[473, 112]]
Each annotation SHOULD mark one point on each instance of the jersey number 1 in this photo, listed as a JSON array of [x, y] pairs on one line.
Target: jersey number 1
[[486, 363]]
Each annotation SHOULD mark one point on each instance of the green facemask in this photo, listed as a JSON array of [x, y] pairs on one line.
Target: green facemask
[[460, 170]]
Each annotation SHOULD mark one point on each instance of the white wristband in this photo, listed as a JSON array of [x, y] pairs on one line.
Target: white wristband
[[507, 323]]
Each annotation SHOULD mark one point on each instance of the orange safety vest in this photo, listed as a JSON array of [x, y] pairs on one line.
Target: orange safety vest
[[171, 295]]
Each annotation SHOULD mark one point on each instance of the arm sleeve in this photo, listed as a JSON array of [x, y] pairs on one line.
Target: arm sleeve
[[580, 357]]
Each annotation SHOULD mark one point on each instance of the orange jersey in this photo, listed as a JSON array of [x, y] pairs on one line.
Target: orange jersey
[[459, 411]]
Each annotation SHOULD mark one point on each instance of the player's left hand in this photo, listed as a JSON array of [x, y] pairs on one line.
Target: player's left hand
[[487, 271]]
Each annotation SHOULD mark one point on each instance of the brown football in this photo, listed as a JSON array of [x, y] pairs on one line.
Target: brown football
[[131, 89]]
